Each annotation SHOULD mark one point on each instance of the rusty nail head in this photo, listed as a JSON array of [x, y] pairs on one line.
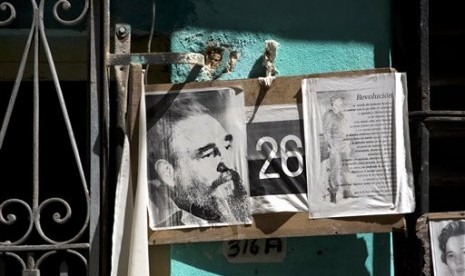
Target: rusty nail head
[[122, 32]]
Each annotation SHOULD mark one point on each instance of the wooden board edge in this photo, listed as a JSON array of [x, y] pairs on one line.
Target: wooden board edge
[[281, 225], [445, 215], [191, 85]]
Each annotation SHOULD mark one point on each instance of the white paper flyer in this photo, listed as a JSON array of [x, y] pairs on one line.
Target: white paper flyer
[[357, 145]]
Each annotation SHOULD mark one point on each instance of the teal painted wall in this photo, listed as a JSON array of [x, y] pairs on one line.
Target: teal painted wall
[[314, 36], [362, 254]]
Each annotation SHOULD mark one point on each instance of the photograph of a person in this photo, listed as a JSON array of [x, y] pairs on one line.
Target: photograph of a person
[[337, 148], [357, 151], [196, 161], [448, 247]]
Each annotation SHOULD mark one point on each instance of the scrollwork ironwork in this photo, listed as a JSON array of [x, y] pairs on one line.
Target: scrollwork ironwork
[[45, 256], [69, 251], [16, 257], [11, 209], [66, 5], [11, 219], [37, 32], [59, 219], [8, 6], [79, 255]]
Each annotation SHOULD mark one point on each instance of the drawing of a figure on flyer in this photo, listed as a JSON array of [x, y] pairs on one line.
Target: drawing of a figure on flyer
[[335, 130]]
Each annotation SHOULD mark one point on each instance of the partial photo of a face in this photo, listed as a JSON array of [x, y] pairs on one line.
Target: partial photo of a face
[[448, 243], [455, 254]]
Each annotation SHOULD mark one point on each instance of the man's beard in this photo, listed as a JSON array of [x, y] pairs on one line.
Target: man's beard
[[216, 202]]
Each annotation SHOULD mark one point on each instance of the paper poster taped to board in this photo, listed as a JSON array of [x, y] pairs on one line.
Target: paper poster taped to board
[[357, 145], [196, 158], [276, 158], [448, 247]]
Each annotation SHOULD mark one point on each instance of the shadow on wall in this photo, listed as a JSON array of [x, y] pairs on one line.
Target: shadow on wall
[[362, 21], [326, 255]]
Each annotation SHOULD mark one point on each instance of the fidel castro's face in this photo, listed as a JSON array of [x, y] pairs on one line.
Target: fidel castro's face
[[203, 159]]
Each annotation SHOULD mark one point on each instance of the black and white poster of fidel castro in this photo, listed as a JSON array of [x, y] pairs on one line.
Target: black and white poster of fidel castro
[[196, 158]]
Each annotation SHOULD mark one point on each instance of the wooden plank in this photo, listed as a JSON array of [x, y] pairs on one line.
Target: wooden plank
[[446, 215], [283, 90], [134, 95], [159, 260], [281, 225]]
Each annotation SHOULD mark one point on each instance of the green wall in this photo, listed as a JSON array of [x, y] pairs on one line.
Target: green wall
[[362, 254], [314, 36]]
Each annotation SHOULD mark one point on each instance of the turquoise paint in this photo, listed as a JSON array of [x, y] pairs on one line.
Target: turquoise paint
[[294, 56], [139, 59], [314, 36], [380, 260], [326, 255]]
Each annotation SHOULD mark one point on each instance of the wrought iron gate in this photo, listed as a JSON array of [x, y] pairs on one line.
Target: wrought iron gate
[[49, 218]]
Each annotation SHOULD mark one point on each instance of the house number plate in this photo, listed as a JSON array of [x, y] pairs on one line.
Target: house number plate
[[255, 251]]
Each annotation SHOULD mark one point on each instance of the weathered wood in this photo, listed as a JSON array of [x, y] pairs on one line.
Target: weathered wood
[[284, 90], [132, 123], [281, 225], [446, 215], [423, 234]]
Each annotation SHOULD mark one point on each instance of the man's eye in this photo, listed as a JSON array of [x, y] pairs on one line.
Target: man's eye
[[208, 153], [450, 256]]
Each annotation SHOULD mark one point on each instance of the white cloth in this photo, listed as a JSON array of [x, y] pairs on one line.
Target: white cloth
[[130, 254]]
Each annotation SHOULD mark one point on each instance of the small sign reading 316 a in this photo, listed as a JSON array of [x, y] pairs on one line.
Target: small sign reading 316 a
[[255, 251]]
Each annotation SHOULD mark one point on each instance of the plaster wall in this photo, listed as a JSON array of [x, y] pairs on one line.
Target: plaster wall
[[315, 36]]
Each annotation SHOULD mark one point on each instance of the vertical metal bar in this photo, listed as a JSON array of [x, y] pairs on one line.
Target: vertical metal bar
[[94, 148], [424, 168], [35, 127], [2, 266], [105, 134], [64, 269], [61, 100], [17, 83], [31, 269], [424, 55], [64, 111], [122, 45]]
